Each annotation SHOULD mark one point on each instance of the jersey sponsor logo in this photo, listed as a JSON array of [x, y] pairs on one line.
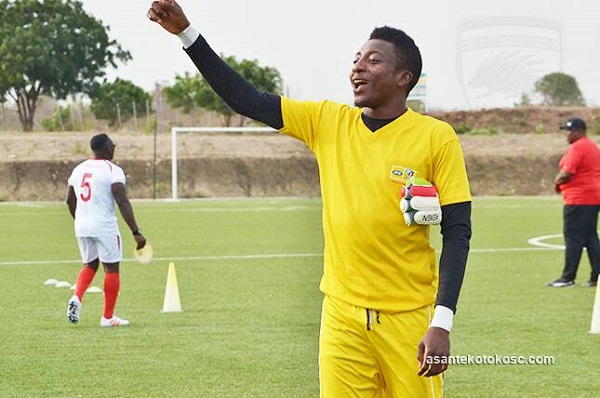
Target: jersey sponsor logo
[[400, 174]]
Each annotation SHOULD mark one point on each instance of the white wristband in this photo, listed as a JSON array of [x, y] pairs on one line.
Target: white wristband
[[443, 317], [188, 36]]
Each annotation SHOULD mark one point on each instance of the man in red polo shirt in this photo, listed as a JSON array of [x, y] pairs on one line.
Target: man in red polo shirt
[[578, 181]]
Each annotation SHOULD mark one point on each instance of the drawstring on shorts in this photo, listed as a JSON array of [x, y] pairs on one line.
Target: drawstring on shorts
[[370, 318]]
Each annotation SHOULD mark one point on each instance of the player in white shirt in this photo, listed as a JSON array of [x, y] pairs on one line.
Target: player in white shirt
[[95, 186]]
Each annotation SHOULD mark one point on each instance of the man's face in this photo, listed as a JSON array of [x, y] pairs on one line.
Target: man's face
[[574, 135], [376, 77], [110, 149]]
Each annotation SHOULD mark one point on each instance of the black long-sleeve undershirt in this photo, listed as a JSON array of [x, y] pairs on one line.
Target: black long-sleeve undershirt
[[236, 91], [456, 234], [265, 107]]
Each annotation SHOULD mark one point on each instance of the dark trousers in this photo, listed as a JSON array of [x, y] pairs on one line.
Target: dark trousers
[[580, 223]]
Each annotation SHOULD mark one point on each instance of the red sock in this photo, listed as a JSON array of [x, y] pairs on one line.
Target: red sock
[[111, 291], [85, 277]]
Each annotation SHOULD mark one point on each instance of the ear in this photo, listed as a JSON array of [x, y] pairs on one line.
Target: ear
[[404, 77]]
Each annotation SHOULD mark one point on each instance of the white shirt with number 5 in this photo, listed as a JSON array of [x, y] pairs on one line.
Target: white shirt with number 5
[[92, 181]]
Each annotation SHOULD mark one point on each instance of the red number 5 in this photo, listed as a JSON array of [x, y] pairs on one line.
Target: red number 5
[[86, 191]]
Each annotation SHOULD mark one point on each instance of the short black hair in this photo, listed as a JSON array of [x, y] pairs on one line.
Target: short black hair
[[407, 52], [100, 142]]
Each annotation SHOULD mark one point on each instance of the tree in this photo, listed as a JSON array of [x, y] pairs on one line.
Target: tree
[[559, 89], [53, 48], [181, 94], [524, 102], [115, 101], [189, 91]]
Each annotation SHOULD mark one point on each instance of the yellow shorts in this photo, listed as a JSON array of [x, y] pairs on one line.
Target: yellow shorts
[[364, 353]]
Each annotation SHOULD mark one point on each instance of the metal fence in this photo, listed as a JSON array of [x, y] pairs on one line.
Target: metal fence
[[77, 116]]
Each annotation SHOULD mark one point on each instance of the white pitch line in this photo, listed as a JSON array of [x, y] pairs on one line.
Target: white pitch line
[[243, 257], [516, 249], [246, 209], [259, 256], [537, 241], [191, 258]]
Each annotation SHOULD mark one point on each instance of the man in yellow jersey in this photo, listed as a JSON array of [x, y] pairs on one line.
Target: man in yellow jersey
[[384, 333]]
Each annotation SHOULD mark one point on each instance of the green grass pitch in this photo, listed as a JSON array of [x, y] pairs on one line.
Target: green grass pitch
[[248, 274]]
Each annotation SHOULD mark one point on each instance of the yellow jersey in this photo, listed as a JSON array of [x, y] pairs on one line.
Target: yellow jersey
[[372, 259]]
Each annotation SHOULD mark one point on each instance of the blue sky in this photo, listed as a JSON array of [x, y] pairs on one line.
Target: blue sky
[[477, 54]]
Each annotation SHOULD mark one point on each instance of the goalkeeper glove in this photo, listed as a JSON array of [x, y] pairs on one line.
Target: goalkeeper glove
[[420, 203]]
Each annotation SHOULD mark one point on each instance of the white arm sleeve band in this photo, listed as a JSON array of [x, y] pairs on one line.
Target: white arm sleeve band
[[443, 317], [188, 36]]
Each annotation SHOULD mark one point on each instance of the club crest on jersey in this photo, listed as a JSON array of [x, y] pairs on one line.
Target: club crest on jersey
[[400, 174]]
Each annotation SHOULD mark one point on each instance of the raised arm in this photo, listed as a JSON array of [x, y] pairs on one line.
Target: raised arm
[[236, 91]]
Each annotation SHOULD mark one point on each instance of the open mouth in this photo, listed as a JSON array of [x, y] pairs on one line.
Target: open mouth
[[357, 84]]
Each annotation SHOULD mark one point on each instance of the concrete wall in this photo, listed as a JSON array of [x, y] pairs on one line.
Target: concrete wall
[[259, 177]]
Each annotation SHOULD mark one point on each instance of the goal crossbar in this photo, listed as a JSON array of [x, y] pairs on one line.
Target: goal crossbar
[[177, 130]]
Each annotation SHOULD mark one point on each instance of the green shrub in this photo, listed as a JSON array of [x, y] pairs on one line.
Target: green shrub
[[462, 128], [540, 128], [484, 131], [595, 126], [59, 121]]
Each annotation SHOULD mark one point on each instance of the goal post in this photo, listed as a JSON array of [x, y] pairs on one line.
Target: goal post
[[177, 130]]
